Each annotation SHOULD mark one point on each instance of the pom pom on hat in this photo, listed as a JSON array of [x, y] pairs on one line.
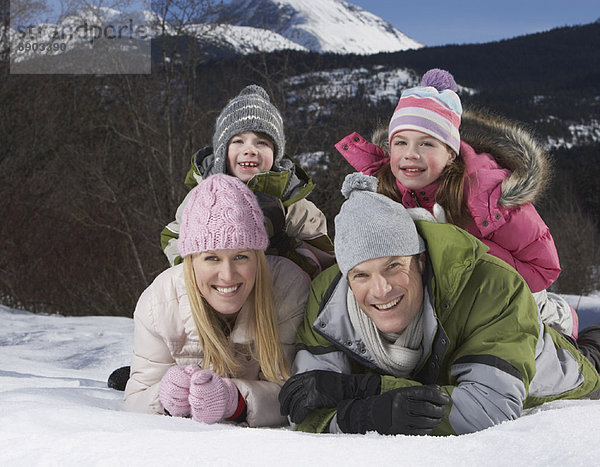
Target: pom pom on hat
[[221, 213], [358, 182], [371, 225], [439, 79], [433, 108], [254, 89], [250, 110]]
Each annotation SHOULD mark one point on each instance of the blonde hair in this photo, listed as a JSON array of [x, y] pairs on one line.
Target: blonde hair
[[450, 192], [218, 354]]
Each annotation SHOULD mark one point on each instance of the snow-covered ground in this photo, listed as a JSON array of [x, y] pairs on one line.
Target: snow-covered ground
[[55, 410]]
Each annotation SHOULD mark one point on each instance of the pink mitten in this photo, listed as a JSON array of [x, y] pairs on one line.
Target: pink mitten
[[212, 398], [175, 389]]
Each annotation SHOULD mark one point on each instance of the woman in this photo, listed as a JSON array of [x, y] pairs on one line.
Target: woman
[[214, 336]]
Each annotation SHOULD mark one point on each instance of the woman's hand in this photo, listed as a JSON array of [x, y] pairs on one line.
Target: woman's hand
[[212, 398], [175, 389]]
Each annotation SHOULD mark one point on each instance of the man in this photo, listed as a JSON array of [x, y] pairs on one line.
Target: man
[[419, 331]]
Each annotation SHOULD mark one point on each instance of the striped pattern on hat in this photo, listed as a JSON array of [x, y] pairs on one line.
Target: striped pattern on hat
[[250, 110], [430, 110]]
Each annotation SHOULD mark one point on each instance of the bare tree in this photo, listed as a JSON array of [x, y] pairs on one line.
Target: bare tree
[[577, 240], [91, 169]]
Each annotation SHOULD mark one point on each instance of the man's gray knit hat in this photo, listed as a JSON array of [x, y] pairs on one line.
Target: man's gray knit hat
[[250, 110], [371, 225]]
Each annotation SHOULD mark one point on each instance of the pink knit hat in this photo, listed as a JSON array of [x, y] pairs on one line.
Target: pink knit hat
[[433, 108], [222, 213]]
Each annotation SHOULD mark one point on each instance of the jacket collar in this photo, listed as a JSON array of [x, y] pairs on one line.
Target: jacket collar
[[288, 182], [423, 197], [452, 253]]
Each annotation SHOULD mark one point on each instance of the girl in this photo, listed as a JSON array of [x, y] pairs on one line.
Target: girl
[[249, 144], [490, 196], [214, 336]]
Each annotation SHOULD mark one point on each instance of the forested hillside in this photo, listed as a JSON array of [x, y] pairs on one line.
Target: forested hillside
[[92, 167]]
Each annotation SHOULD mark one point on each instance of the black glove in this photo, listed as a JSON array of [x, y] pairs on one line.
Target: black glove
[[319, 389], [415, 410], [274, 214]]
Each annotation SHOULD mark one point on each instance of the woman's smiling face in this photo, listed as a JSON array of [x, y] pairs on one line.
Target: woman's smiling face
[[225, 278]]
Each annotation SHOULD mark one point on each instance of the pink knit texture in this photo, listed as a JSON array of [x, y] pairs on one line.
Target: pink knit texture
[[222, 213], [175, 389], [212, 398]]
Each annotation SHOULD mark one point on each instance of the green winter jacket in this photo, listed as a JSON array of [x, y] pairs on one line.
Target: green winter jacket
[[297, 228], [483, 341]]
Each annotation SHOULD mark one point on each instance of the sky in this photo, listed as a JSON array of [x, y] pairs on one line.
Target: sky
[[56, 410], [438, 22]]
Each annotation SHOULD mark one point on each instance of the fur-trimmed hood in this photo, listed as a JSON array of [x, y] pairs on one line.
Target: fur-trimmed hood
[[512, 146]]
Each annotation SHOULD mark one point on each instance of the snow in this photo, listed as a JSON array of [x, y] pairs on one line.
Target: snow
[[243, 39], [584, 132], [588, 309], [317, 25], [56, 410], [343, 27], [316, 91]]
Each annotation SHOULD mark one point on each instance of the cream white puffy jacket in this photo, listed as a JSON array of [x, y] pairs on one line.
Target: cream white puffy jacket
[[165, 335]]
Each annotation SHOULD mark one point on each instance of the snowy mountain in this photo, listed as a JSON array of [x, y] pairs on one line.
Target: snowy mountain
[[319, 25], [82, 29], [379, 83], [242, 39], [376, 83], [55, 410], [240, 27]]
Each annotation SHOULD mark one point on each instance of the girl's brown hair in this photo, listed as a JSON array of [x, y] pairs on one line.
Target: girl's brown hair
[[218, 354]]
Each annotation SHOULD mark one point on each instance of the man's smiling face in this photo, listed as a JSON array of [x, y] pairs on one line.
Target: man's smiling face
[[389, 290]]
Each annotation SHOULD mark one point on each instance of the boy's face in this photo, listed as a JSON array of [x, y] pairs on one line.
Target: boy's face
[[248, 154], [389, 290]]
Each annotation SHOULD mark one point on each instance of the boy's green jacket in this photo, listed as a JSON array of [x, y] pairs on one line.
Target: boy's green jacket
[[484, 343]]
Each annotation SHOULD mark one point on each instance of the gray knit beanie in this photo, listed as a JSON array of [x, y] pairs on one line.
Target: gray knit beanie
[[250, 110], [371, 225]]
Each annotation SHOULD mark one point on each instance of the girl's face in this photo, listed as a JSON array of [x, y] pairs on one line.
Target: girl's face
[[417, 159], [225, 278], [249, 154]]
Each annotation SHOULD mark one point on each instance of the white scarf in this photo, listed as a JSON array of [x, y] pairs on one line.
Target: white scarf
[[397, 354]]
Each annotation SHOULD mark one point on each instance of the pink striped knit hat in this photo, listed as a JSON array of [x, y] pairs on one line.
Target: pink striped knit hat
[[433, 108], [221, 213]]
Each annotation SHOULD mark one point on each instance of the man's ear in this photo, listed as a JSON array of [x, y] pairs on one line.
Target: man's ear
[[421, 260]]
